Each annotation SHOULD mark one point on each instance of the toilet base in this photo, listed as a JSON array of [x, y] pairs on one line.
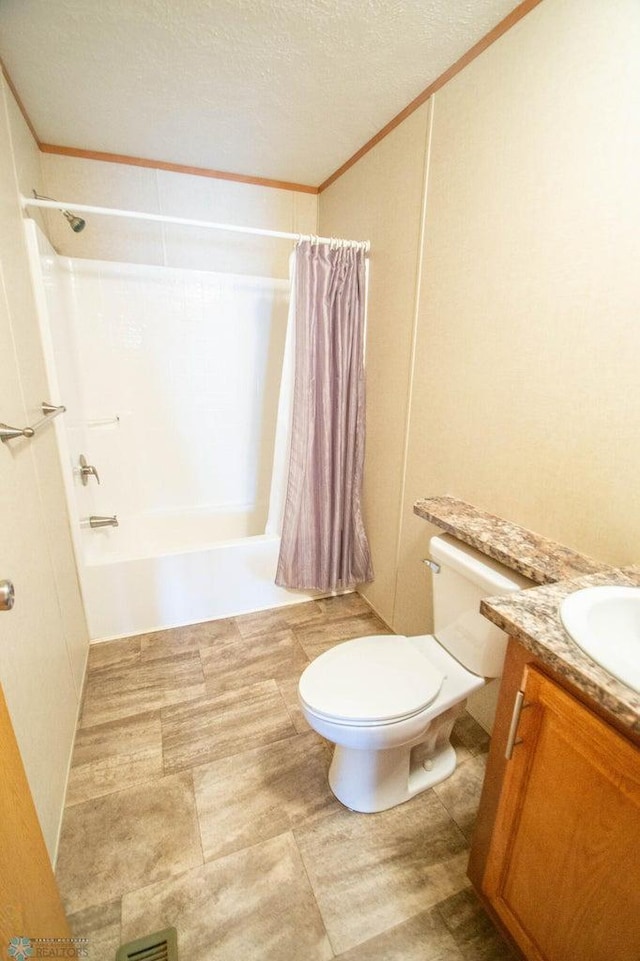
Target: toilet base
[[371, 781]]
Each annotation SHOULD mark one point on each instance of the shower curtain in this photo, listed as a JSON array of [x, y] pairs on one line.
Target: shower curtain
[[324, 545]]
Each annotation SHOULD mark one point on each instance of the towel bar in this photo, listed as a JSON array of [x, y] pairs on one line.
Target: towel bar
[[49, 412]]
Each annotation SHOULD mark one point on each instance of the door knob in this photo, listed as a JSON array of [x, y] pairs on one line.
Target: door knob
[[7, 595]]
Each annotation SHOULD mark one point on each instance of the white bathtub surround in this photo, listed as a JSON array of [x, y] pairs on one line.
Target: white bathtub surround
[[172, 379]]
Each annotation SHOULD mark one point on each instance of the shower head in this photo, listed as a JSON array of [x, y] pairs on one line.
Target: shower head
[[76, 223]]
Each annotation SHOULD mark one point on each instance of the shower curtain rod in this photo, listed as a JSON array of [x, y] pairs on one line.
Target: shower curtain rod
[[186, 222]]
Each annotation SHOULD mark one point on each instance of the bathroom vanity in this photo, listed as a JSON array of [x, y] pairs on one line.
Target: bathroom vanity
[[556, 844], [556, 851]]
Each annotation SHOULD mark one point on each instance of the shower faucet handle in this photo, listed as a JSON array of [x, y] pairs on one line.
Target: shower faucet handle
[[87, 471]]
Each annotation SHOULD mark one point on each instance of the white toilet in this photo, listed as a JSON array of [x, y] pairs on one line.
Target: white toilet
[[389, 703]]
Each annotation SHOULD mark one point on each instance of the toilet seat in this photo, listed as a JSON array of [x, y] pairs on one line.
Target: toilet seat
[[370, 681]]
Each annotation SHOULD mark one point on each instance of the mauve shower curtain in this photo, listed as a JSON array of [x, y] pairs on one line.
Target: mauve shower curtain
[[324, 545]]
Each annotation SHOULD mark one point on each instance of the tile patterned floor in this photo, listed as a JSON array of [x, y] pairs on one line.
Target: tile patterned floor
[[198, 798]]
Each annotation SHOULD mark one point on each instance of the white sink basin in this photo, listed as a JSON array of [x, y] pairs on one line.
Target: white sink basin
[[605, 623]]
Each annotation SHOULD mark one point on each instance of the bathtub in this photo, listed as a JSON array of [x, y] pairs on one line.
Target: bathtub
[[152, 573], [167, 564]]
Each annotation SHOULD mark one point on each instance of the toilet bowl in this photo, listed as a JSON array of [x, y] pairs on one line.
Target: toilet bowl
[[388, 702], [375, 698]]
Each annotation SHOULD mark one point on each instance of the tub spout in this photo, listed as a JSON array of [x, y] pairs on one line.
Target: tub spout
[[95, 521]]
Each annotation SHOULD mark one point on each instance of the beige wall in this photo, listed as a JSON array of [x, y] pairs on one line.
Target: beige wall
[[380, 199], [44, 638], [524, 395], [178, 195]]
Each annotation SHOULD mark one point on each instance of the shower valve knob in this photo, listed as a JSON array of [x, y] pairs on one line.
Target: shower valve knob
[[87, 471]]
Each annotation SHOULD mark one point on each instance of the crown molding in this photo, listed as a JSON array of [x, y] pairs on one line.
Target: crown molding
[[501, 28], [498, 31]]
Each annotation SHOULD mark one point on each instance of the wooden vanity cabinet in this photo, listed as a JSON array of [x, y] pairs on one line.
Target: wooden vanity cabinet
[[556, 856]]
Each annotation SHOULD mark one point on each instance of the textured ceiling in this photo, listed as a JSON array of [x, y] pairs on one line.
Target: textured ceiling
[[284, 89]]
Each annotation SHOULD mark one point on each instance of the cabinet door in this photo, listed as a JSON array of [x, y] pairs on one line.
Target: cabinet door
[[563, 872], [30, 905]]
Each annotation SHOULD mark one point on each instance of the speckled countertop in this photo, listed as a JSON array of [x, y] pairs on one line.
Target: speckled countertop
[[538, 558], [532, 616]]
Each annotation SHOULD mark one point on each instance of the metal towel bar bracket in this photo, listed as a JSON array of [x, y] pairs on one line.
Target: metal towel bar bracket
[[49, 411]]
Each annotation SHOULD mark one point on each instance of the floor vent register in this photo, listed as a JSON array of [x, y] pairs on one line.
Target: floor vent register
[[161, 946]]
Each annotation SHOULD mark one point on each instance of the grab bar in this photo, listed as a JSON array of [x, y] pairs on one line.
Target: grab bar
[[49, 411], [104, 422]]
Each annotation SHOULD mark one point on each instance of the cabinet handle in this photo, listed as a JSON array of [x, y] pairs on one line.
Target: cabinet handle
[[515, 720]]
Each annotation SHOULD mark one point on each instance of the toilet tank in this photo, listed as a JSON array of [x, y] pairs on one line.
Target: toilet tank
[[466, 576]]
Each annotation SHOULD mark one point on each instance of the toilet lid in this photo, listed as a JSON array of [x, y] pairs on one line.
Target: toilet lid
[[380, 678]]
